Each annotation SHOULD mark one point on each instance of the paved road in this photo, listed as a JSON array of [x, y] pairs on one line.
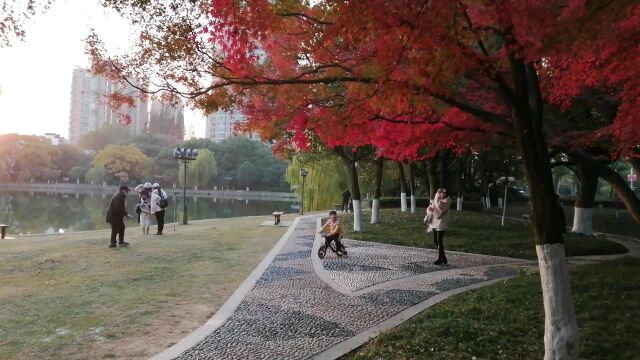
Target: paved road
[[298, 307]]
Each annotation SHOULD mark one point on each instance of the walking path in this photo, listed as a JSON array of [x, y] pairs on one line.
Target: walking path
[[296, 306]]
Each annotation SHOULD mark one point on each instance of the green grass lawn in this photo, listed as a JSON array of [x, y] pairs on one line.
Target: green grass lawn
[[605, 220], [506, 320], [471, 232], [70, 297]]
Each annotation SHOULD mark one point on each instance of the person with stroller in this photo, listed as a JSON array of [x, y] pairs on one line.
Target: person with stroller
[[144, 206], [437, 218], [332, 232], [159, 203]]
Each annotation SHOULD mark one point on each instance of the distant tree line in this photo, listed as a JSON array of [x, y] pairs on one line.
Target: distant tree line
[[112, 155]]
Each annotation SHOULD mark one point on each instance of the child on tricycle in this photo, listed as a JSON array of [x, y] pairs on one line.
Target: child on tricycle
[[332, 232]]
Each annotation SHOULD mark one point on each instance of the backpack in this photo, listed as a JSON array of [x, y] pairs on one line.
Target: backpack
[[164, 202]]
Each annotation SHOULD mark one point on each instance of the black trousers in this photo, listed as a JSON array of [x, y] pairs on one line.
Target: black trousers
[[160, 220], [117, 228], [335, 237], [345, 205], [438, 238]]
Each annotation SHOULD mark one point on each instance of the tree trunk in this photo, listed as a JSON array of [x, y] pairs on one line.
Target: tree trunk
[[618, 184], [547, 218], [482, 174], [403, 187], [352, 178], [460, 181], [561, 329], [443, 174], [585, 201], [561, 338], [349, 159], [377, 190], [635, 162], [427, 181], [432, 174], [412, 188]]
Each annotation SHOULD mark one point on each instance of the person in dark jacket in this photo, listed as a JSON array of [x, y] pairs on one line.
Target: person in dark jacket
[[346, 198], [116, 214]]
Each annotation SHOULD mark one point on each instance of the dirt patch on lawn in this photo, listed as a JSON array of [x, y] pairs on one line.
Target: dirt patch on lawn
[[150, 340]]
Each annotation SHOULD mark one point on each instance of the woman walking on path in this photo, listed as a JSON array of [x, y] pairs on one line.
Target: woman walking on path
[[438, 219], [145, 206]]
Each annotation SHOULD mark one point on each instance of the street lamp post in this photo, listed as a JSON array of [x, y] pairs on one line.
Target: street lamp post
[[186, 156], [303, 172]]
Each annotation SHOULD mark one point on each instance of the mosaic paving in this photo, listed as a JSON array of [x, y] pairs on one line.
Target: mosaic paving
[[291, 313], [369, 263]]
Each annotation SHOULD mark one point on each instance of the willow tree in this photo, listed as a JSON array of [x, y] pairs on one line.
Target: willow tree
[[323, 184]]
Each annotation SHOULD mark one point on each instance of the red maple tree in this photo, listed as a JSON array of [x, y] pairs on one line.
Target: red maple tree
[[408, 75]]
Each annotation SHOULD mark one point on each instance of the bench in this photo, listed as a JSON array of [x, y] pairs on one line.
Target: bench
[[276, 215], [3, 230]]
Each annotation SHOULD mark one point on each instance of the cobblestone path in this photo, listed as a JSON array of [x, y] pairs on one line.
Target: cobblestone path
[[295, 312]]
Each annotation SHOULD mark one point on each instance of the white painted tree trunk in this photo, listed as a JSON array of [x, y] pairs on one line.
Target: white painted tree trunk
[[561, 328], [459, 204], [403, 202], [375, 211], [357, 215], [499, 203], [583, 221], [413, 204]]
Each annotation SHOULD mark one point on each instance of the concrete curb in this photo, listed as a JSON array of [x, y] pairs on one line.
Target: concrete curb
[[230, 305], [362, 338]]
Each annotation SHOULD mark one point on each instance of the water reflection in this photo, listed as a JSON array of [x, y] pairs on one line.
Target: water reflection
[[50, 213]]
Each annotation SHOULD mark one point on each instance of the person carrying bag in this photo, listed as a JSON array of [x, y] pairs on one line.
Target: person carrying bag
[[437, 217]]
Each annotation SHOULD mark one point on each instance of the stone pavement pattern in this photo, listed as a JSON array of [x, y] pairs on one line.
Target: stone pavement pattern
[[370, 263], [291, 313]]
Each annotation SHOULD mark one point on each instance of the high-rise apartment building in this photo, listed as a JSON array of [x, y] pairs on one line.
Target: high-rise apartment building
[[89, 110], [167, 120], [221, 125]]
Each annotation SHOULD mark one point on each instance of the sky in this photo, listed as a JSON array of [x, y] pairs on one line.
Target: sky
[[35, 74]]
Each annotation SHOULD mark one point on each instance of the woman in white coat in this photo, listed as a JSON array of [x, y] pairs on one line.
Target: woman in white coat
[[438, 216], [145, 206]]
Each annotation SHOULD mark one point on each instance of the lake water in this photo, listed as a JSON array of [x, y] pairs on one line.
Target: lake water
[[41, 213]]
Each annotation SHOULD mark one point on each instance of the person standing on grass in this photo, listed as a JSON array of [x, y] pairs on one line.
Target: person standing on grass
[[144, 190], [159, 203], [346, 197], [115, 215], [438, 220]]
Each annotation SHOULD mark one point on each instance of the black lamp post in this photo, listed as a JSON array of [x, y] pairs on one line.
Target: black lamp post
[[303, 172], [186, 155]]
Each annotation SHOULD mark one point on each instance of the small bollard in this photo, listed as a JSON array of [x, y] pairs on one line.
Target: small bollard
[[3, 231], [276, 215]]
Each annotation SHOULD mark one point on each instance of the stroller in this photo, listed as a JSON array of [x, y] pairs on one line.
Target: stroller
[[338, 248]]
